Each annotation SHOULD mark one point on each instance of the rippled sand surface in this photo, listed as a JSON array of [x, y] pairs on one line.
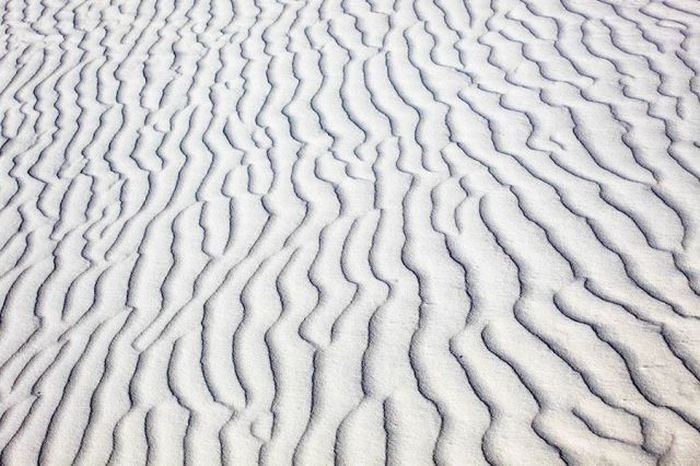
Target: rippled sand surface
[[359, 232]]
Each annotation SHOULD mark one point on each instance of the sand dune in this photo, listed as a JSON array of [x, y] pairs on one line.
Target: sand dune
[[349, 232]]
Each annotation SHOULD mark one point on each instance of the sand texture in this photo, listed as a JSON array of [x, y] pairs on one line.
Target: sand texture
[[349, 232]]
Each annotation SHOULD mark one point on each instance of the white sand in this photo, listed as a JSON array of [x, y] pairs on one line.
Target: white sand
[[354, 232]]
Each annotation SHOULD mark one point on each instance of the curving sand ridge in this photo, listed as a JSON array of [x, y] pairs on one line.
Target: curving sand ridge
[[352, 232]]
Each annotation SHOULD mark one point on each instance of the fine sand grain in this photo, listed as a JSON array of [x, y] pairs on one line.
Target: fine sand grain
[[363, 232]]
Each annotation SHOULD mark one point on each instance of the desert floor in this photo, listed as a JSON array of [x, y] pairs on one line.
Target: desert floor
[[363, 232]]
